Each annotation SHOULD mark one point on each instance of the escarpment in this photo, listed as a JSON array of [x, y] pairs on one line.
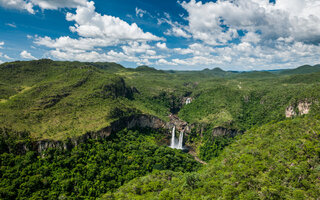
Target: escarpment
[[134, 121]]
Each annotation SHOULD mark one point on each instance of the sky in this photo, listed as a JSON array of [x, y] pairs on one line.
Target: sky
[[238, 35]]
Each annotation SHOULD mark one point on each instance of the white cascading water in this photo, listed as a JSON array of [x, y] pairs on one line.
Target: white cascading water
[[173, 137], [180, 140]]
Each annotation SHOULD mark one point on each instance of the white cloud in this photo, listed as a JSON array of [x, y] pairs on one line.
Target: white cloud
[[162, 46], [27, 55], [251, 37], [5, 56], [55, 4], [17, 4], [176, 30], [43, 4], [92, 24], [140, 12], [1, 44], [69, 44], [164, 62], [218, 23], [196, 49], [98, 31], [11, 25]]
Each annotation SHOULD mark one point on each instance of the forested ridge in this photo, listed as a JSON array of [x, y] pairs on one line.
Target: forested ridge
[[258, 132]]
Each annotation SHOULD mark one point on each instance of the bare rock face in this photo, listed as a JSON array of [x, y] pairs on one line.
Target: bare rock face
[[304, 107], [290, 112], [133, 121], [221, 131], [187, 100], [179, 124]]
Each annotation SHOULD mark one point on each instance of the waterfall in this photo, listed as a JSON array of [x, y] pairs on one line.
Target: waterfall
[[180, 140], [173, 137]]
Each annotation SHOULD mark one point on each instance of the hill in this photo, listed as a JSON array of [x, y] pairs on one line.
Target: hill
[[305, 69], [100, 130]]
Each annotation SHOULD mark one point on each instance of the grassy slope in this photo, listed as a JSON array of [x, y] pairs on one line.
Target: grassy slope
[[62, 99], [275, 161]]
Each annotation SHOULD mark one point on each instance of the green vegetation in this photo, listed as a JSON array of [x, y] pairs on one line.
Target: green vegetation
[[275, 157], [275, 161], [90, 169]]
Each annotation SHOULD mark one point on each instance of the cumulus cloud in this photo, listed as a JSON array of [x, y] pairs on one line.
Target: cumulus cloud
[[164, 62], [17, 4], [69, 44], [29, 5], [218, 22], [92, 24], [1, 44], [98, 31], [55, 4], [138, 48], [177, 31], [27, 55], [162, 46], [250, 34]]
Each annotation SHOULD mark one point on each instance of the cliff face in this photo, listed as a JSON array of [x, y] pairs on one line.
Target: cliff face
[[220, 131], [303, 109], [141, 121], [179, 124]]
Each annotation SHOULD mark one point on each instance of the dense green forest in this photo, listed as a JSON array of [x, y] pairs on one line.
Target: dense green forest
[[275, 161], [257, 131], [91, 169]]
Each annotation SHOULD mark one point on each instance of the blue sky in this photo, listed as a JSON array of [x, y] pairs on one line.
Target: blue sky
[[165, 34]]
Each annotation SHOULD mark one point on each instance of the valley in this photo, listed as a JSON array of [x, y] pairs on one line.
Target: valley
[[84, 130]]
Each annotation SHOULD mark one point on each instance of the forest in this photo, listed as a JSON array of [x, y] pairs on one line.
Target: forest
[[81, 130]]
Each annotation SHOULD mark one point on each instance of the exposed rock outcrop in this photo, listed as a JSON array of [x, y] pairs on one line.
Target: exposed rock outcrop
[[290, 112], [141, 121], [221, 131], [187, 100], [179, 124], [303, 108]]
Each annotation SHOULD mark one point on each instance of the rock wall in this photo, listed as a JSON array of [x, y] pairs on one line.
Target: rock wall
[[303, 108], [179, 124], [141, 121], [221, 131]]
